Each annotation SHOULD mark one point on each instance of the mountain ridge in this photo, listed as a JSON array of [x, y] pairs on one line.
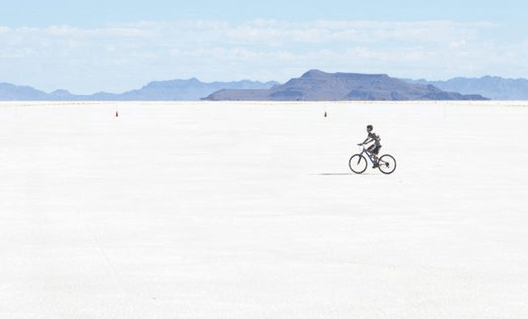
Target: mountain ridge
[[316, 85], [494, 87], [171, 90]]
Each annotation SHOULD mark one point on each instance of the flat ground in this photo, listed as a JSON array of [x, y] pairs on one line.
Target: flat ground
[[249, 210]]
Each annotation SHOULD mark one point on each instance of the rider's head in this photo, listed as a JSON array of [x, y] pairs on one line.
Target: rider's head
[[369, 128]]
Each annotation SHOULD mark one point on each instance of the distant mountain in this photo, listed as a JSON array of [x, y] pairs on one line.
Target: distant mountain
[[10, 92], [495, 87], [175, 90], [313, 86], [193, 89], [316, 85]]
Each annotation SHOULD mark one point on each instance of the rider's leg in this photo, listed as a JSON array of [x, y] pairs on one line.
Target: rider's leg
[[374, 150], [372, 155]]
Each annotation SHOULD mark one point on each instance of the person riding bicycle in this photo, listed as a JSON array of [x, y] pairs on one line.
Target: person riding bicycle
[[376, 145]]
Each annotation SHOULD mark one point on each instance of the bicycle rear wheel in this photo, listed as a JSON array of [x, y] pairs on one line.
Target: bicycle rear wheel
[[387, 164], [357, 163]]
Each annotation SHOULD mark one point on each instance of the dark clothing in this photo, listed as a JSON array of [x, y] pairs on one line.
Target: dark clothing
[[374, 149], [375, 138]]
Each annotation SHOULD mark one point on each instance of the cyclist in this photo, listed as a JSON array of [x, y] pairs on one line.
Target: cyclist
[[376, 145]]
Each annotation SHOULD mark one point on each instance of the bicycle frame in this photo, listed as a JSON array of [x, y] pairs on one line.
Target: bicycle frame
[[369, 155]]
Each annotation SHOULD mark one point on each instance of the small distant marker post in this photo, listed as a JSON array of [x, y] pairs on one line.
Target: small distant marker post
[[325, 113]]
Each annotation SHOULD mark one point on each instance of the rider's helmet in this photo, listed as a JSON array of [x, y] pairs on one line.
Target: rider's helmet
[[369, 127]]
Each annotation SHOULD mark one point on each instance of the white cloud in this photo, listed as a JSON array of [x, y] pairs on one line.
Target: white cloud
[[262, 33], [212, 50]]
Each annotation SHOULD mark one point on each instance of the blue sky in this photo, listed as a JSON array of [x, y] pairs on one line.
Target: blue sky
[[115, 46]]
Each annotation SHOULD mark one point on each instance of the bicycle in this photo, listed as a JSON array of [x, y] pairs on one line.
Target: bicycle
[[358, 163]]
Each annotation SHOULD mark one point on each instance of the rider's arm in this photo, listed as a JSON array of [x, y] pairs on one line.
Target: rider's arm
[[367, 140]]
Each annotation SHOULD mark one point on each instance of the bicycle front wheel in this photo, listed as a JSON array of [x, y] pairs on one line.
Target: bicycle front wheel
[[357, 163], [387, 164]]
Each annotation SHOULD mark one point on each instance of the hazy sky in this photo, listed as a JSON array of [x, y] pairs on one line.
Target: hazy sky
[[116, 46]]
